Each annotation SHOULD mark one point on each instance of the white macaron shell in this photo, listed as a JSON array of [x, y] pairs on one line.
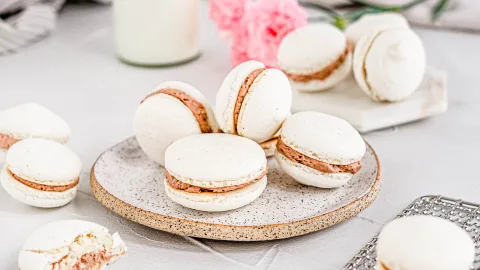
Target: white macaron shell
[[311, 177], [323, 137], [311, 48], [227, 94], [159, 121], [216, 202], [197, 95], [44, 162], [31, 120], [389, 65], [215, 160], [425, 242], [265, 107], [60, 234], [35, 197], [319, 85], [371, 22]]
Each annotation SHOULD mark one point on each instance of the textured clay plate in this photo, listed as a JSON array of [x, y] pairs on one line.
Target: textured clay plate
[[128, 183]]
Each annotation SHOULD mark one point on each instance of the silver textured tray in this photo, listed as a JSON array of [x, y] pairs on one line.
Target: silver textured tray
[[464, 214]]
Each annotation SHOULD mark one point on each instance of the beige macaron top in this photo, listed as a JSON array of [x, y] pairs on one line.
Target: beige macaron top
[[215, 160], [44, 162], [311, 48]]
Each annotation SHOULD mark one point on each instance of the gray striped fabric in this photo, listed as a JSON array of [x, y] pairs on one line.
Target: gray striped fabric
[[28, 21]]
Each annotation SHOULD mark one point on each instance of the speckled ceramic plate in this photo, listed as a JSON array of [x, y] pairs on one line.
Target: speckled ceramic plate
[[128, 183]]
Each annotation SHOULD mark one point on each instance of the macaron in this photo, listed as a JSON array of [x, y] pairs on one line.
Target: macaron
[[374, 21], [70, 244], [389, 65], [319, 150], [30, 120], [424, 242], [41, 173], [172, 111], [315, 57], [253, 101], [215, 172]]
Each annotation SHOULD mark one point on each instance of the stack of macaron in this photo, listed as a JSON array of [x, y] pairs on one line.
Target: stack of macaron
[[388, 57], [175, 126], [39, 170], [220, 167]]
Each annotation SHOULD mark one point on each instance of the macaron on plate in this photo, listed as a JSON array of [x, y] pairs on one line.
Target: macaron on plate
[[210, 196]]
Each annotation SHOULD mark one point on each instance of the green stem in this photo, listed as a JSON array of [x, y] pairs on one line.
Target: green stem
[[438, 9]]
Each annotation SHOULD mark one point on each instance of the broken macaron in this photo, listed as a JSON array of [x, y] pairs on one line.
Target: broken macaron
[[319, 150], [315, 57], [41, 173], [215, 172], [70, 244], [172, 111], [253, 101]]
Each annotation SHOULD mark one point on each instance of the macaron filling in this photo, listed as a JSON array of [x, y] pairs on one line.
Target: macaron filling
[[7, 141], [324, 73], [42, 187], [179, 185], [318, 165], [88, 261], [197, 108], [242, 93]]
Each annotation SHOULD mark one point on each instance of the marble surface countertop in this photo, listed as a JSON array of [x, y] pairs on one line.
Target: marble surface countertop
[[75, 73]]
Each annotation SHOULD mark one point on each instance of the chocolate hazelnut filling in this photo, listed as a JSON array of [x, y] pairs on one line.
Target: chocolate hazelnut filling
[[197, 108], [242, 93], [92, 260], [324, 73], [176, 184], [318, 165], [44, 187], [7, 141]]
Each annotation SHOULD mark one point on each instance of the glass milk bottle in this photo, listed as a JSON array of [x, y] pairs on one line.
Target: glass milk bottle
[[156, 32]]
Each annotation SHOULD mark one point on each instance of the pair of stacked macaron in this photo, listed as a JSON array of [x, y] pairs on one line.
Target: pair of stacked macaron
[[175, 126], [388, 57], [220, 172], [39, 170], [252, 102]]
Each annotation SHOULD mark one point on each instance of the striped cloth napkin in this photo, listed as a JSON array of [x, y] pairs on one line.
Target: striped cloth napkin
[[23, 22]]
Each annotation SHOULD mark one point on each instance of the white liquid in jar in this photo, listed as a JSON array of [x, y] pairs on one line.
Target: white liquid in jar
[[156, 32]]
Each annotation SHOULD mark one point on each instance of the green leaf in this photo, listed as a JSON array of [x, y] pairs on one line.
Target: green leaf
[[438, 9]]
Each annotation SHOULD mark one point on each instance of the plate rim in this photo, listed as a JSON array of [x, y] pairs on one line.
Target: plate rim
[[203, 229]]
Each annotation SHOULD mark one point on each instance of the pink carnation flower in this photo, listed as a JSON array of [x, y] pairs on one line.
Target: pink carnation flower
[[227, 14], [263, 27]]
